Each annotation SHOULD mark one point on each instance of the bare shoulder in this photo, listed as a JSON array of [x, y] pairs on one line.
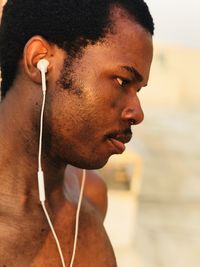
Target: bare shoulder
[[95, 190]]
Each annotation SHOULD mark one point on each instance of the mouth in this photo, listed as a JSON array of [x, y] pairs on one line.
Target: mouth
[[119, 139]]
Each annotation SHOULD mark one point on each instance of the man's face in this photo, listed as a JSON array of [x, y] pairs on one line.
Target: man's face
[[91, 120]]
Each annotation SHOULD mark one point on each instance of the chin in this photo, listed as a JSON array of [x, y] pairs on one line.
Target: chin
[[90, 164]]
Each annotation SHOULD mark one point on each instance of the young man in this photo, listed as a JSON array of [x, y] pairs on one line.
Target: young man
[[99, 55]]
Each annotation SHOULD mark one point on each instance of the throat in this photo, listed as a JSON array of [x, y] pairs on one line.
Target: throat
[[19, 188]]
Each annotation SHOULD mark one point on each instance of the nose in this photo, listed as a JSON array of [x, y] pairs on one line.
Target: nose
[[133, 111]]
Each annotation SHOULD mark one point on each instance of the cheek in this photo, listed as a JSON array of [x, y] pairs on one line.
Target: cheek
[[108, 96], [115, 104]]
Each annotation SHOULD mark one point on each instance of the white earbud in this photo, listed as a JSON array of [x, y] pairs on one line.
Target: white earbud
[[42, 65]]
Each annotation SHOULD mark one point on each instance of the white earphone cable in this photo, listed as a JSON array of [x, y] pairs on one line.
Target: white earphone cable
[[41, 126], [40, 172], [54, 233], [78, 216], [41, 186]]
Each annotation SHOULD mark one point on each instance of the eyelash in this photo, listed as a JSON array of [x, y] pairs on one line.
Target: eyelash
[[123, 82]]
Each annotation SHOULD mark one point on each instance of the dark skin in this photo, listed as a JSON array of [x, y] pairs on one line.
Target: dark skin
[[77, 131]]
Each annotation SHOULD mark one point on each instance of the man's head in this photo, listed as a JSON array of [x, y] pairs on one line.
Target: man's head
[[99, 59], [69, 24]]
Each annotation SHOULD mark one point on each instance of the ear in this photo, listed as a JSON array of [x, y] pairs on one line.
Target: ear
[[36, 48]]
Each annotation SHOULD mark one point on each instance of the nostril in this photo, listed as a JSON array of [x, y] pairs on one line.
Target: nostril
[[132, 122]]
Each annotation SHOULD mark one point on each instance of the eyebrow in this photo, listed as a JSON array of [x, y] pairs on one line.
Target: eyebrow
[[132, 70]]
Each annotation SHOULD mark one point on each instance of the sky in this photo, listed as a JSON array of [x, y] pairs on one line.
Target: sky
[[176, 21]]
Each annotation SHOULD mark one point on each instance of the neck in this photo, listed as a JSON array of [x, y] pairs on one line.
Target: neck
[[19, 135]]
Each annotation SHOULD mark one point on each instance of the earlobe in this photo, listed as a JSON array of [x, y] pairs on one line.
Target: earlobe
[[37, 48]]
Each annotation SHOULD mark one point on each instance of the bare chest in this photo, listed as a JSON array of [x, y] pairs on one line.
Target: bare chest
[[37, 249], [93, 245]]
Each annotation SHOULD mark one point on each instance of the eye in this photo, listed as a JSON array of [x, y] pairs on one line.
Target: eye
[[123, 82]]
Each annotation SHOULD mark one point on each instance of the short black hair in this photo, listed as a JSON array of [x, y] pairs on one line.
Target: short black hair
[[70, 24]]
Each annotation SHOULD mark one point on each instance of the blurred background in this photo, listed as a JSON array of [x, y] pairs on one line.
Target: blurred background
[[154, 197], [154, 187]]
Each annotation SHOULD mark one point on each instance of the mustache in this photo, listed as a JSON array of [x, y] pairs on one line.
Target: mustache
[[124, 135]]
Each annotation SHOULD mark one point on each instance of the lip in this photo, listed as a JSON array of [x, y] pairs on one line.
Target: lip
[[118, 139], [118, 145], [123, 138]]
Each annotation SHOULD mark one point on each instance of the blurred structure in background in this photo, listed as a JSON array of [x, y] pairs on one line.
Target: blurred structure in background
[[174, 82], [162, 219], [123, 177], [168, 222]]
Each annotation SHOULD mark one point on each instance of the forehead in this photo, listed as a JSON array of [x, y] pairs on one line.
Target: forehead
[[126, 44], [129, 38]]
